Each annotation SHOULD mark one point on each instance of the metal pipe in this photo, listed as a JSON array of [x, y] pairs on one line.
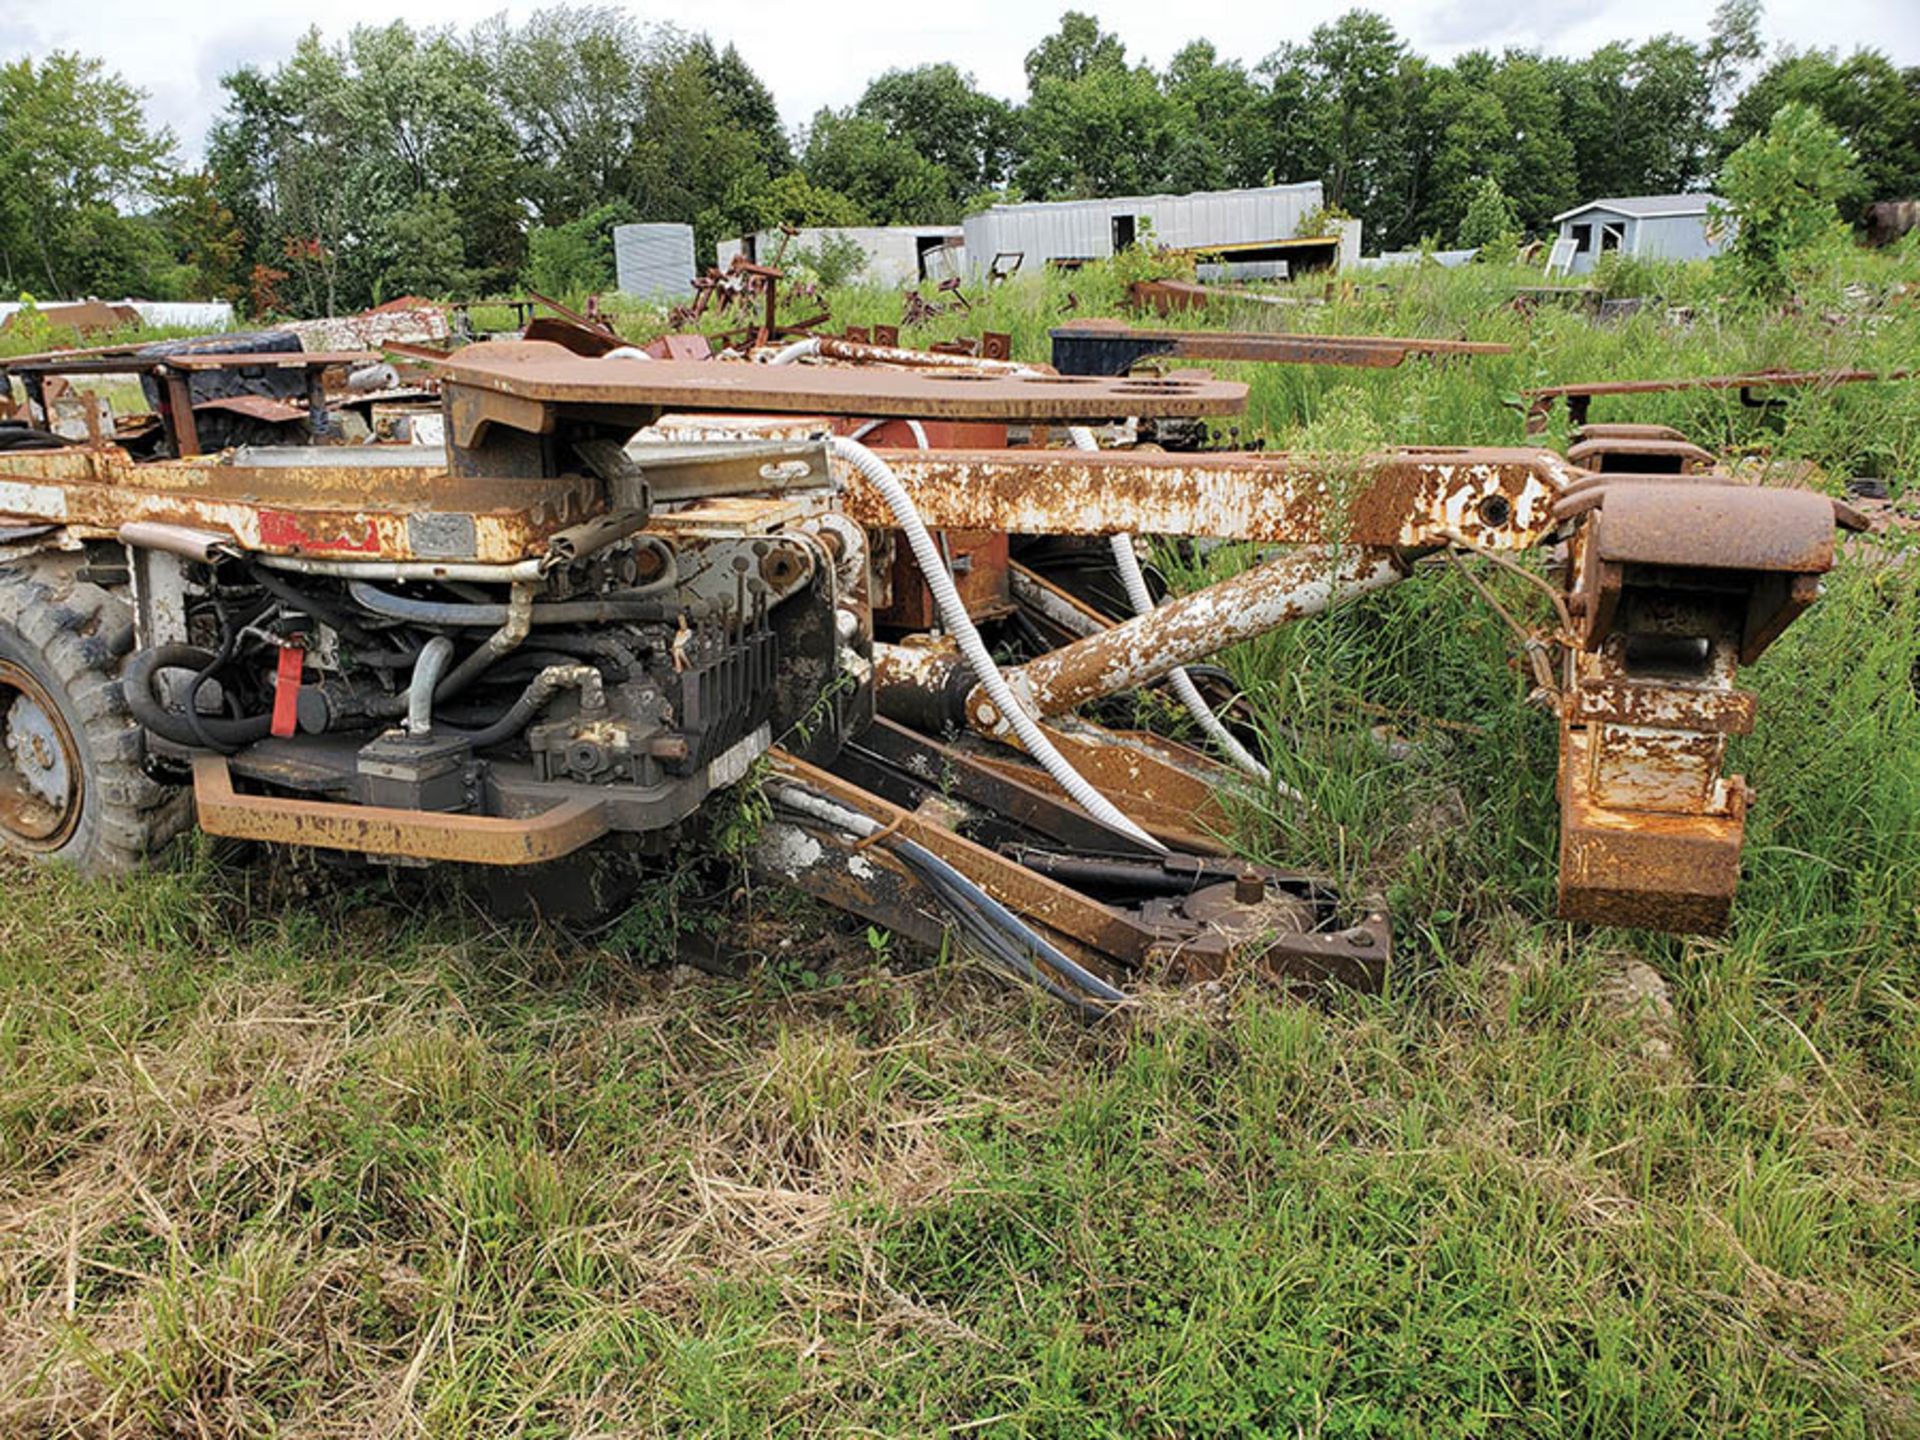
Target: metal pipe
[[426, 675], [518, 622], [518, 571], [204, 546], [1293, 586]]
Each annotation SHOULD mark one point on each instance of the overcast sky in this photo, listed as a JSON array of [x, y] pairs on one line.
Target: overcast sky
[[823, 54]]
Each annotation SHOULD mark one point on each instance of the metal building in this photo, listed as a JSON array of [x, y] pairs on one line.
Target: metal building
[[1255, 227], [891, 254], [1649, 227], [654, 261]]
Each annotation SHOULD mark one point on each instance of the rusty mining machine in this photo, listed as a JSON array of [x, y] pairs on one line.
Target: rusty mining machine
[[622, 584]]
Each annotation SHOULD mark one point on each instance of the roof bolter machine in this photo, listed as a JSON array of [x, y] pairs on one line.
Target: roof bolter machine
[[548, 639]]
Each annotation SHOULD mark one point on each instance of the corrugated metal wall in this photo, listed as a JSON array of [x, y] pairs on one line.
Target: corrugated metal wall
[[654, 261], [1083, 229]]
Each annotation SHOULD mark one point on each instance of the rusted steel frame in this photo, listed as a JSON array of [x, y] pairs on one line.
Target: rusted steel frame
[[1169, 791], [1496, 498], [1171, 296], [1291, 587], [1052, 606], [379, 830], [1676, 584], [1540, 400], [1099, 349], [533, 377], [1007, 801], [863, 353], [1054, 907], [1637, 454], [317, 510]]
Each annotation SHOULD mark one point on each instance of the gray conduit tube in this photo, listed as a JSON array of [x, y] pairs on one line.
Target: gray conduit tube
[[1128, 564], [953, 610]]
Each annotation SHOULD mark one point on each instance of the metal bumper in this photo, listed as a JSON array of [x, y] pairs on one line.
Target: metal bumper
[[378, 830]]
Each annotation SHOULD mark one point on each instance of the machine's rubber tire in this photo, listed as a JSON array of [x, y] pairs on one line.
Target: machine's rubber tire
[[62, 644]]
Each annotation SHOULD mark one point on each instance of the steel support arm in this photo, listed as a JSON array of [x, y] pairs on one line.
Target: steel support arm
[[1293, 586], [1495, 498]]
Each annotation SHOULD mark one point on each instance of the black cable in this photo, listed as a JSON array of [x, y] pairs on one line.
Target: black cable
[[137, 684]]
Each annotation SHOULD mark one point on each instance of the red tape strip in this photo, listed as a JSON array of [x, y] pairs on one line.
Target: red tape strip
[[286, 690]]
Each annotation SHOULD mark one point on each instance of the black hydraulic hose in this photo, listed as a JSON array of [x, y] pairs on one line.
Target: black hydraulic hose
[[137, 684], [617, 606], [197, 722], [333, 614], [230, 633], [1005, 938]]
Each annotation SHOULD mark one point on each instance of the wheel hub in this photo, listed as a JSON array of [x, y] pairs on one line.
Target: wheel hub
[[40, 776]]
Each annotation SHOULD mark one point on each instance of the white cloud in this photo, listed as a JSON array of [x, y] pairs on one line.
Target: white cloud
[[819, 55]]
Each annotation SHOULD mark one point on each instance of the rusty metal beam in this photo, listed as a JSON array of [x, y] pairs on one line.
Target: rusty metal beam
[[318, 509], [1297, 584], [1541, 400], [1097, 348], [1497, 498]]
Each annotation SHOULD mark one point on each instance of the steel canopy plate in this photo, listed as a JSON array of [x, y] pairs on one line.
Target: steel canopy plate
[[548, 374]]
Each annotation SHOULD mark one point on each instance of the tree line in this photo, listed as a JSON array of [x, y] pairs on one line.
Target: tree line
[[467, 162]]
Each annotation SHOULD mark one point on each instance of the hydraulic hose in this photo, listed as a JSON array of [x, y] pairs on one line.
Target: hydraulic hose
[[1002, 934], [144, 667], [637, 604], [1138, 596], [540, 690], [953, 611]]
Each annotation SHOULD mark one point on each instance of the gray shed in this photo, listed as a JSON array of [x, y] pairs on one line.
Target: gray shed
[[1649, 227], [890, 254], [1247, 226], [654, 261]]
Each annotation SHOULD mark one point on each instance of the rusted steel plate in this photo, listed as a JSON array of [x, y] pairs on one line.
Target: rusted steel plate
[[1497, 498], [1647, 870], [1173, 796], [549, 375], [1623, 702], [271, 360], [1114, 349], [317, 510], [377, 830], [255, 407]]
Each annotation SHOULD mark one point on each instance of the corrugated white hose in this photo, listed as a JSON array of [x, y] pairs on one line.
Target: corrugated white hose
[[953, 610], [1128, 563], [798, 350]]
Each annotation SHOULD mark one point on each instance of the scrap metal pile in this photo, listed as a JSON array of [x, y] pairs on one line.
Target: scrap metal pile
[[624, 580]]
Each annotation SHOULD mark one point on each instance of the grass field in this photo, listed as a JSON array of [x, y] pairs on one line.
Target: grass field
[[283, 1156]]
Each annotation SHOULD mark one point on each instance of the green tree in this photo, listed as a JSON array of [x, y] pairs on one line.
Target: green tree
[[1874, 105], [1780, 190], [1353, 95], [1491, 225], [577, 257], [1218, 121], [881, 173], [944, 116], [75, 153], [1079, 48]]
